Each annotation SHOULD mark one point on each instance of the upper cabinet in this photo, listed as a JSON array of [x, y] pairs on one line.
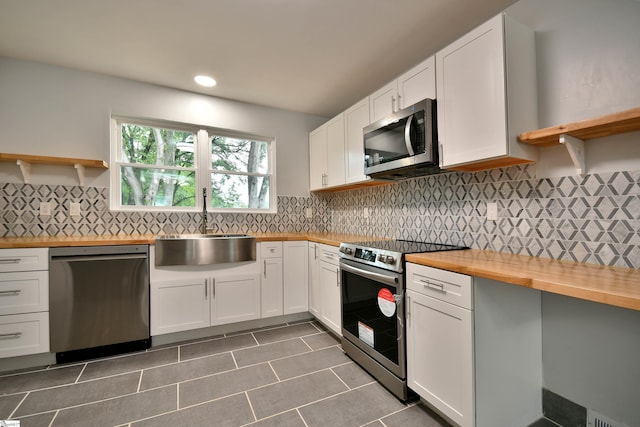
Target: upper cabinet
[[486, 85], [355, 119], [414, 85], [327, 155]]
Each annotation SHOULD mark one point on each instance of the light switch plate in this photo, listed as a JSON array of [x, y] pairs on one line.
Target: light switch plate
[[309, 213], [45, 208], [365, 213], [74, 209], [492, 211]]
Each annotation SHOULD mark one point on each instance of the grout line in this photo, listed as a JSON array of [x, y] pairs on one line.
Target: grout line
[[246, 395], [19, 404], [301, 417], [338, 376], [80, 374], [140, 381], [54, 418], [274, 371], [177, 396], [235, 362]]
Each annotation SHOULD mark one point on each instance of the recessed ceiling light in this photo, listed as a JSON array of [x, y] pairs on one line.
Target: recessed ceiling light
[[205, 81]]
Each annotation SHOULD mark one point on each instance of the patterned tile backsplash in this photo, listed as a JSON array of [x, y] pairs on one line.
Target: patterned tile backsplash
[[593, 219]]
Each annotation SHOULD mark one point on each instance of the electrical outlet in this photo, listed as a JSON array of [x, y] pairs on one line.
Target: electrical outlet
[[74, 209], [309, 213], [492, 211], [45, 208]]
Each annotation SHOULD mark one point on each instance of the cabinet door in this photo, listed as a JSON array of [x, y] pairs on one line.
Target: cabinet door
[[235, 299], [384, 101], [318, 158], [335, 151], [296, 277], [418, 83], [330, 296], [24, 292], [355, 119], [471, 96], [440, 355], [22, 334], [179, 305], [314, 280], [271, 287]]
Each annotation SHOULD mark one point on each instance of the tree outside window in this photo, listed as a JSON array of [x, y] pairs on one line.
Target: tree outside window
[[162, 168]]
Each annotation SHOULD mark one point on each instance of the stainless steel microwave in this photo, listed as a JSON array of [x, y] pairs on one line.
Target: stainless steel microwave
[[403, 144]]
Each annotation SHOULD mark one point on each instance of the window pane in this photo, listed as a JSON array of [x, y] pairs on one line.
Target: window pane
[[239, 155], [157, 146], [239, 191], [157, 187]]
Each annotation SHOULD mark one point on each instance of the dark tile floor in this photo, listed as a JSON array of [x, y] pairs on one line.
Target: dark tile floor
[[292, 375]]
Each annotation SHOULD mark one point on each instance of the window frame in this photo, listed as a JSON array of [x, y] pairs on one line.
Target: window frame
[[202, 165]]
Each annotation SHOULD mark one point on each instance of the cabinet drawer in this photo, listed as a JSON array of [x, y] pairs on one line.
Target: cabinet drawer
[[24, 292], [329, 254], [22, 334], [271, 249], [444, 285], [24, 259]]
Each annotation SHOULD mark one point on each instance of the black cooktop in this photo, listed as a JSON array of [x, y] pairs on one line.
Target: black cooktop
[[406, 246]]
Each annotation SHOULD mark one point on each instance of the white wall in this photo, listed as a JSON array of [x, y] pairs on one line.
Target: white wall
[[53, 111], [588, 60]]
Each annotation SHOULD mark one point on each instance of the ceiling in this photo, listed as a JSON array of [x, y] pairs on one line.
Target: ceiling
[[310, 56]]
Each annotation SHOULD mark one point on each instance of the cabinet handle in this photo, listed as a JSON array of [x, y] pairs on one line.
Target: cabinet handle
[[435, 286], [338, 277], [408, 307], [399, 98], [265, 268], [315, 252], [393, 104], [206, 288], [10, 260], [213, 285], [11, 292], [11, 335]]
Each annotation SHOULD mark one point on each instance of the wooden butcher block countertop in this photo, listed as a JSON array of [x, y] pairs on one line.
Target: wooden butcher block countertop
[[608, 285]]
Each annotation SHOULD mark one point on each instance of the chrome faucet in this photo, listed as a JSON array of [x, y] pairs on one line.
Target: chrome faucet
[[203, 227]]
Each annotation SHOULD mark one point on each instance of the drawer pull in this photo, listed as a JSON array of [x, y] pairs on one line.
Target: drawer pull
[[10, 260], [11, 292], [11, 335], [435, 286]]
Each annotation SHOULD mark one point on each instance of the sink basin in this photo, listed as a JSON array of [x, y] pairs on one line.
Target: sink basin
[[204, 249]]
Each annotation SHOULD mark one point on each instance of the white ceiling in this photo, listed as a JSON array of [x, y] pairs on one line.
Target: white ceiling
[[311, 56]]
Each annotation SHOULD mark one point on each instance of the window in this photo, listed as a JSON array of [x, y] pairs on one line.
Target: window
[[165, 166]]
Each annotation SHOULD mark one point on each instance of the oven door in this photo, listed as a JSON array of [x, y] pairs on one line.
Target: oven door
[[373, 313]]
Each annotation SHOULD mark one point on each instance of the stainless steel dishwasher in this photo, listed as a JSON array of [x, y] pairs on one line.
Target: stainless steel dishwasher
[[98, 300]]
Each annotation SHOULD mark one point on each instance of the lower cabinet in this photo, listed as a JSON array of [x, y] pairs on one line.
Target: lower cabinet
[[191, 297], [328, 288], [24, 301], [314, 279], [296, 276], [474, 348]]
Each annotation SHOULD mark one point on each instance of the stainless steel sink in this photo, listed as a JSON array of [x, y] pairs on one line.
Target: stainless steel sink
[[204, 249]]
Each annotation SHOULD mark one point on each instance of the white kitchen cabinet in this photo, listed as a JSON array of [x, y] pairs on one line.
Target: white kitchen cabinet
[[272, 279], [474, 348], [191, 297], [314, 279], [24, 301], [355, 119], [327, 155], [296, 276], [329, 279], [179, 305], [235, 298], [414, 85], [487, 95]]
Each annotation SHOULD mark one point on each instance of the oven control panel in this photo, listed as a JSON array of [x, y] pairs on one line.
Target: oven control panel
[[377, 257]]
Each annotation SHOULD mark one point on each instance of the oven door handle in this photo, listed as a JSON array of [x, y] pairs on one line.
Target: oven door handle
[[369, 274]]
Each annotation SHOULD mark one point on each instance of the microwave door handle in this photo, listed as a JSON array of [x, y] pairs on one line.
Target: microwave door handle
[[407, 135]]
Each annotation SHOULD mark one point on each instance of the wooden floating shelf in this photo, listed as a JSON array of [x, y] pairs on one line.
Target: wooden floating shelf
[[24, 161], [573, 135]]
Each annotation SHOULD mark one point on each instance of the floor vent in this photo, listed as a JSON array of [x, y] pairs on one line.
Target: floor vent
[[595, 419]]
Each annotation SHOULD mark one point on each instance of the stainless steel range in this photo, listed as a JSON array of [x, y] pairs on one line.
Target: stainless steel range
[[373, 309]]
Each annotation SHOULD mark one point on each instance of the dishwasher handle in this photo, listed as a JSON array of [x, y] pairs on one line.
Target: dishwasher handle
[[80, 258]]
